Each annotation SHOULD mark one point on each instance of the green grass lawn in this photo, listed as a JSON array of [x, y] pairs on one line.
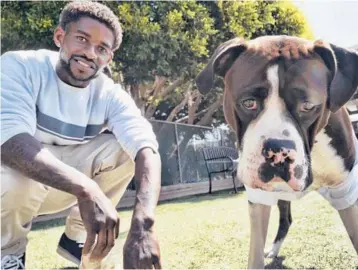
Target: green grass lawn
[[212, 232]]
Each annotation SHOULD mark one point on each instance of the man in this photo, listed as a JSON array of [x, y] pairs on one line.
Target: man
[[54, 107]]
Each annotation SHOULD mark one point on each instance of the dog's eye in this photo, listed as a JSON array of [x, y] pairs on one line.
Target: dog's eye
[[250, 104], [307, 106]]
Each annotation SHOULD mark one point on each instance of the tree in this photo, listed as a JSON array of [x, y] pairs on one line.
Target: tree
[[28, 25], [165, 44]]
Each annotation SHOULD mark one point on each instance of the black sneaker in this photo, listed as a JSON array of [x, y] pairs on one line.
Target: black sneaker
[[13, 262], [69, 249]]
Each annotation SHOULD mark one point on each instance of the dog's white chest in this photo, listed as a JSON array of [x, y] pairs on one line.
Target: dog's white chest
[[328, 167]]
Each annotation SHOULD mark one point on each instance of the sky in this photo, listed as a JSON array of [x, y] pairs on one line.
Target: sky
[[334, 21]]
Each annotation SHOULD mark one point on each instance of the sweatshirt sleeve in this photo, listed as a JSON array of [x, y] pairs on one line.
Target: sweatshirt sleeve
[[131, 129], [18, 108]]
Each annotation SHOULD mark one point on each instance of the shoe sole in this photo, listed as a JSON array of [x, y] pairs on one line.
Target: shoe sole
[[68, 256]]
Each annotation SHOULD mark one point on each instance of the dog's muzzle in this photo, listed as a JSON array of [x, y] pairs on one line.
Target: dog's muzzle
[[279, 156]]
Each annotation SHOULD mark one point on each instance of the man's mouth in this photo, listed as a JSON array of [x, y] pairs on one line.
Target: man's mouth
[[84, 63]]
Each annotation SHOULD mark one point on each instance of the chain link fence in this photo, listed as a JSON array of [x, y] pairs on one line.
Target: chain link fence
[[180, 150]]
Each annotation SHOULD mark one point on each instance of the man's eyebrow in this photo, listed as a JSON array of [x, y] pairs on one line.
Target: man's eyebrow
[[83, 33], [104, 44], [88, 35]]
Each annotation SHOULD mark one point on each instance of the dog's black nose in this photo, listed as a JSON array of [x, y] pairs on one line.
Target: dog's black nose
[[277, 151], [279, 155]]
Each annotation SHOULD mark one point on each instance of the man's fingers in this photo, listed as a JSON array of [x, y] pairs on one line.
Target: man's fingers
[[117, 228], [156, 259], [157, 264], [110, 241], [101, 244], [90, 241]]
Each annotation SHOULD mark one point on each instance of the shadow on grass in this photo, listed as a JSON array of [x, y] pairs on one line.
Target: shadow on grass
[[223, 194], [43, 225], [277, 263], [64, 268]]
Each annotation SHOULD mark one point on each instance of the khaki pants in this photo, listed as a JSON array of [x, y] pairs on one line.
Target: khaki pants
[[22, 198]]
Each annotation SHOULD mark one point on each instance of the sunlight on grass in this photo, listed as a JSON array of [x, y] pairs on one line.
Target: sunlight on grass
[[212, 232]]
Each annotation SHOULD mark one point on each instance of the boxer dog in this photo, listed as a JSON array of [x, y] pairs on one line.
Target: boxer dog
[[284, 98]]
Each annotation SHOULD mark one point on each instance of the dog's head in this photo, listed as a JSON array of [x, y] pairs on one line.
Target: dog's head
[[279, 93]]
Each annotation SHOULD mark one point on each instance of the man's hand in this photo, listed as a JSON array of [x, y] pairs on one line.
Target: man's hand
[[101, 221], [141, 250]]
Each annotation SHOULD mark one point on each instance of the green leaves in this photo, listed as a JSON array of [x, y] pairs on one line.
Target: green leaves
[[163, 38], [160, 38], [171, 39]]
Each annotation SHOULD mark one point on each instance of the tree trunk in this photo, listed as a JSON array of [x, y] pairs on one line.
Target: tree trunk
[[207, 118], [161, 93], [178, 108], [167, 91], [136, 95], [193, 104], [156, 92]]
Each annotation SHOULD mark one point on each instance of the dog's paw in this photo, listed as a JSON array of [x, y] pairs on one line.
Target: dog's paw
[[270, 254], [273, 252]]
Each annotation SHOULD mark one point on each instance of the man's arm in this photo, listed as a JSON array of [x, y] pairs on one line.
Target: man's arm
[[141, 250], [148, 183], [136, 136], [26, 155]]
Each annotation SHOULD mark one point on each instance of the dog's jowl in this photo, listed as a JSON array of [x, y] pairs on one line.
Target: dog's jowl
[[284, 97]]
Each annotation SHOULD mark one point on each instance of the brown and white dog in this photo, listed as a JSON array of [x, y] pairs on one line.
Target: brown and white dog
[[284, 97]]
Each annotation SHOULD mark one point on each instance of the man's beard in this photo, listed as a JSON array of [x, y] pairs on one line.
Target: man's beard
[[67, 67]]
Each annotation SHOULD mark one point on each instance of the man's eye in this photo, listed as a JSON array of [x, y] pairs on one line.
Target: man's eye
[[102, 50], [82, 39], [307, 106], [250, 104]]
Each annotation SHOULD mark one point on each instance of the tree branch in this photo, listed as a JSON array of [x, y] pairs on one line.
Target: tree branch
[[181, 105], [207, 118], [185, 118], [193, 106], [167, 91], [156, 92]]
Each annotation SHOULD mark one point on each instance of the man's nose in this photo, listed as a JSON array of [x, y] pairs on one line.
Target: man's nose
[[277, 151], [90, 52]]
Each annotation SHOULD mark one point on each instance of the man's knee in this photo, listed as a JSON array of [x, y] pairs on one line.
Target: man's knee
[[103, 153], [112, 155], [18, 190]]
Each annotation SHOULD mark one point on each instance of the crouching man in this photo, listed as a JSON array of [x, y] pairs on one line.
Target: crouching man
[[54, 155]]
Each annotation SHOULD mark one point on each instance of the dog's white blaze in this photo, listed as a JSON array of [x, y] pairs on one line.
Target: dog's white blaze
[[269, 124], [327, 167]]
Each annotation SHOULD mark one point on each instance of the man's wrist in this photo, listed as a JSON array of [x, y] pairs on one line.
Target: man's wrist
[[86, 189], [140, 224]]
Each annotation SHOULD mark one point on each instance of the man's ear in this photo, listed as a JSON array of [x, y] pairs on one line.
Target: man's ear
[[107, 70], [58, 36], [219, 63], [343, 64]]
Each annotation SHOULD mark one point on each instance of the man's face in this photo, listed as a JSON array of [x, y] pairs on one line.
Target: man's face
[[85, 49]]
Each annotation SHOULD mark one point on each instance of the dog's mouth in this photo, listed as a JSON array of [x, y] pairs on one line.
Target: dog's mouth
[[256, 172]]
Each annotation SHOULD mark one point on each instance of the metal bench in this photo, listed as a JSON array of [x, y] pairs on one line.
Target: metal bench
[[220, 159]]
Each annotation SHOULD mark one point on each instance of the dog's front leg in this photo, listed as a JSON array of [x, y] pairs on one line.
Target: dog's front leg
[[349, 217], [259, 218]]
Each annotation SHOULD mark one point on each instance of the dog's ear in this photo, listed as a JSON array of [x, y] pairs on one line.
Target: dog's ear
[[219, 63], [343, 64], [230, 114]]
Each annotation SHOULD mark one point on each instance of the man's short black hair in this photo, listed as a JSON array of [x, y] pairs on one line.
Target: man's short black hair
[[74, 11]]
